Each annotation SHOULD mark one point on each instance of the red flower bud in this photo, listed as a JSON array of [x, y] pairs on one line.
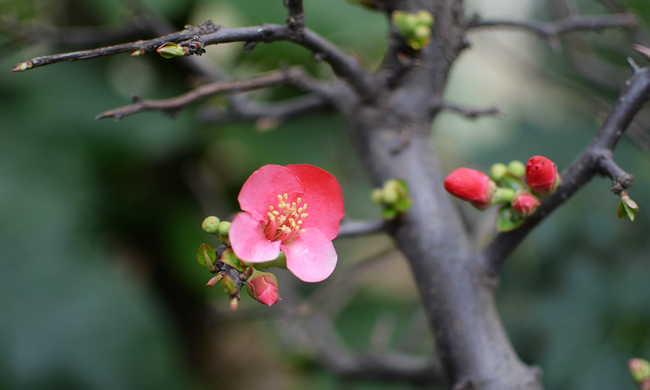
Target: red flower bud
[[542, 175], [524, 204], [472, 186], [263, 287]]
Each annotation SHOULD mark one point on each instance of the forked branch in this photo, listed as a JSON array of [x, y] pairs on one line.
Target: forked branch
[[596, 158]]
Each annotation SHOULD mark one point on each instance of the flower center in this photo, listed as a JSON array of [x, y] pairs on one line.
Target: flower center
[[283, 222]]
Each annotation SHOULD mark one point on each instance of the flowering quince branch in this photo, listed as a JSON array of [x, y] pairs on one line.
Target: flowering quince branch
[[456, 281], [633, 97]]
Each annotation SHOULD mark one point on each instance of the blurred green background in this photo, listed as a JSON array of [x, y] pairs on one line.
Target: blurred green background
[[99, 221]]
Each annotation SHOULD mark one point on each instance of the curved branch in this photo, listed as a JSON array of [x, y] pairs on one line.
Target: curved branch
[[551, 31], [344, 65], [635, 95], [293, 76]]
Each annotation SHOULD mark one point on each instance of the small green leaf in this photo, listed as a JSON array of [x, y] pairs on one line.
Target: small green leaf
[[626, 211], [508, 220], [231, 259], [389, 214], [206, 256]]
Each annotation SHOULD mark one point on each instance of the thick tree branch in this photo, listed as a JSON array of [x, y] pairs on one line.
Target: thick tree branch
[[551, 31], [596, 158], [296, 19], [293, 76]]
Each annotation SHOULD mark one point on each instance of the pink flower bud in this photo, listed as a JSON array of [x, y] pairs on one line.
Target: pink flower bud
[[524, 204], [472, 186], [263, 287], [639, 369], [542, 175]]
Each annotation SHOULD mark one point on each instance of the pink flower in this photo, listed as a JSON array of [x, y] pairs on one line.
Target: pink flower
[[263, 287], [524, 203], [472, 186], [276, 218], [542, 176]]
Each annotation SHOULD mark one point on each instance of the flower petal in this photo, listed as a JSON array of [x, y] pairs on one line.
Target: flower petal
[[311, 257], [263, 187], [323, 197], [249, 242]]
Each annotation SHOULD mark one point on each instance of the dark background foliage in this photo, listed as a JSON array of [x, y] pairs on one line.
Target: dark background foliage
[[99, 221]]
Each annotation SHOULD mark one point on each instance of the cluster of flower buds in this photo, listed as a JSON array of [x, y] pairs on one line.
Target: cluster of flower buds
[[393, 197], [414, 28], [505, 186], [640, 371], [217, 227]]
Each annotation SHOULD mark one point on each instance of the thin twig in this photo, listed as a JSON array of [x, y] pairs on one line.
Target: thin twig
[[345, 66], [551, 31], [633, 97], [351, 228], [174, 105], [470, 113], [139, 46], [280, 110]]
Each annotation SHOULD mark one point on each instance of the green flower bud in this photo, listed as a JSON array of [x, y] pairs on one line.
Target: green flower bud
[[390, 193], [376, 196], [517, 168], [425, 17], [502, 195], [211, 225], [498, 172], [224, 228], [406, 23]]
